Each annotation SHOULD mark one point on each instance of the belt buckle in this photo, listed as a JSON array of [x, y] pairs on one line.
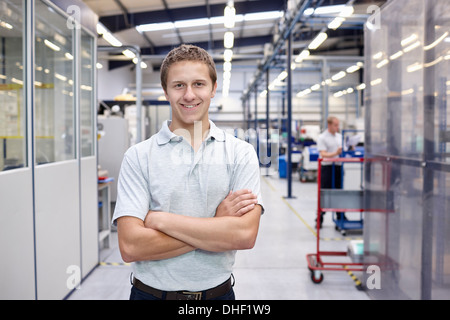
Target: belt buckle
[[192, 295]]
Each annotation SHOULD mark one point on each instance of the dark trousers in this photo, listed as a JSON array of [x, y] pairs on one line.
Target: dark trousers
[[331, 178]]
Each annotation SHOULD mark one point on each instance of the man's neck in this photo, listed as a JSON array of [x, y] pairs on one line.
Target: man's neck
[[195, 133]]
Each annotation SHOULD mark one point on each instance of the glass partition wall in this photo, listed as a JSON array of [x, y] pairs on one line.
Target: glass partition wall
[[407, 170], [12, 102]]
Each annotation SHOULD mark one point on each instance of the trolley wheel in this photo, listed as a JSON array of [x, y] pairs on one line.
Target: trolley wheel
[[316, 276]]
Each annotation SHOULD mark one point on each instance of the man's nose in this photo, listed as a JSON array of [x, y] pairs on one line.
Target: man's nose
[[189, 94]]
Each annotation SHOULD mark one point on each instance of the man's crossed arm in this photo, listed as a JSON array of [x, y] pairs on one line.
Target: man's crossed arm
[[164, 235]]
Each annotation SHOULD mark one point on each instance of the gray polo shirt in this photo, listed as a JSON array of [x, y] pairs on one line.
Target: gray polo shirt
[[164, 174]]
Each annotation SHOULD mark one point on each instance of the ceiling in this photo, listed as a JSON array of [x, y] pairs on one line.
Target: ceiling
[[121, 17]]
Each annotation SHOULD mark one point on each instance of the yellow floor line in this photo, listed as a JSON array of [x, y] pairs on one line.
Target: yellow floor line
[[290, 207]]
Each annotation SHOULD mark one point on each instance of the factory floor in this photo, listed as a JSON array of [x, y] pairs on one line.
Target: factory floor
[[275, 269]]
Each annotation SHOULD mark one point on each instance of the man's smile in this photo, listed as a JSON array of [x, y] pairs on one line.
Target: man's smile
[[190, 106]]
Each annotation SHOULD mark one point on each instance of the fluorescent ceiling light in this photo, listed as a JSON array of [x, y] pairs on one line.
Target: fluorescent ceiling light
[[226, 75], [347, 11], [60, 77], [338, 76], [283, 75], [304, 54], [382, 63], [51, 45], [205, 21], [409, 39], [192, 23], [303, 93], [16, 81], [414, 67], [336, 23], [329, 9], [411, 47], [321, 37], [361, 86], [5, 25], [129, 54], [155, 26], [228, 55], [101, 29], [230, 16], [315, 87], [375, 82], [268, 15], [228, 39], [396, 55], [435, 43], [353, 69], [112, 40], [227, 66]]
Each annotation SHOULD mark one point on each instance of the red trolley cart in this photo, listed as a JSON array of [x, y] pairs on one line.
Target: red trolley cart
[[334, 200]]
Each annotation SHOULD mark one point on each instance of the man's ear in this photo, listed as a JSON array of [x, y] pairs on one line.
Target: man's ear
[[213, 93]]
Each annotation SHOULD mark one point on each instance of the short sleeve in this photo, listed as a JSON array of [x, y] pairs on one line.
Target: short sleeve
[[133, 195], [321, 144], [246, 173]]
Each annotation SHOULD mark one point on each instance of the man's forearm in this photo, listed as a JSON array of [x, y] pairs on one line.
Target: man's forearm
[[212, 234], [138, 243]]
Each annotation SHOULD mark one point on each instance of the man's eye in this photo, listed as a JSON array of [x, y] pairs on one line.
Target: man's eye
[[199, 84]]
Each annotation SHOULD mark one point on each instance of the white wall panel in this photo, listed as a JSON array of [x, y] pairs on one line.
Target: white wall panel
[[16, 235], [57, 221], [89, 215]]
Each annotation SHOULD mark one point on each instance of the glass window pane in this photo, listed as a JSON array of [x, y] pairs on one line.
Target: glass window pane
[[55, 108], [87, 104], [12, 102]]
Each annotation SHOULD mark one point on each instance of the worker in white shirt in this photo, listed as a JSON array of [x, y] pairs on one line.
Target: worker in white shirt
[[329, 145]]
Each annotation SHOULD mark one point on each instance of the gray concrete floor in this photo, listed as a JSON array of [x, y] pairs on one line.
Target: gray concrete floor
[[275, 269]]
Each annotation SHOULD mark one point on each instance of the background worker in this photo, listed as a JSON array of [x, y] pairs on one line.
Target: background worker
[[329, 145]]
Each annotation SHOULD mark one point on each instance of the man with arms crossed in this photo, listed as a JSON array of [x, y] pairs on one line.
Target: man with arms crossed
[[189, 196]]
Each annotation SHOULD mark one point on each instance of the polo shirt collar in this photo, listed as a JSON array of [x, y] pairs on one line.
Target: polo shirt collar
[[165, 134]]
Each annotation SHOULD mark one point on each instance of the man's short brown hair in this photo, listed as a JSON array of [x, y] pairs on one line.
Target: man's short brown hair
[[330, 119], [187, 52]]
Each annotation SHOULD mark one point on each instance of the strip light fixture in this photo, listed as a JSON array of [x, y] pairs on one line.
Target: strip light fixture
[[229, 18]]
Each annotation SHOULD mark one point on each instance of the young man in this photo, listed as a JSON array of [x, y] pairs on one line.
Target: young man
[[189, 196], [329, 145]]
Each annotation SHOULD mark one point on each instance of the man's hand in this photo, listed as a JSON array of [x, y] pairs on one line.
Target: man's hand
[[237, 203]]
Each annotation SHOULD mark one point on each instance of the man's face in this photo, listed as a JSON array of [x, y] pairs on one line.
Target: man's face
[[189, 91], [333, 127]]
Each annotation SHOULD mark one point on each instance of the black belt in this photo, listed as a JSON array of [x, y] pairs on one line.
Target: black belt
[[212, 293]]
